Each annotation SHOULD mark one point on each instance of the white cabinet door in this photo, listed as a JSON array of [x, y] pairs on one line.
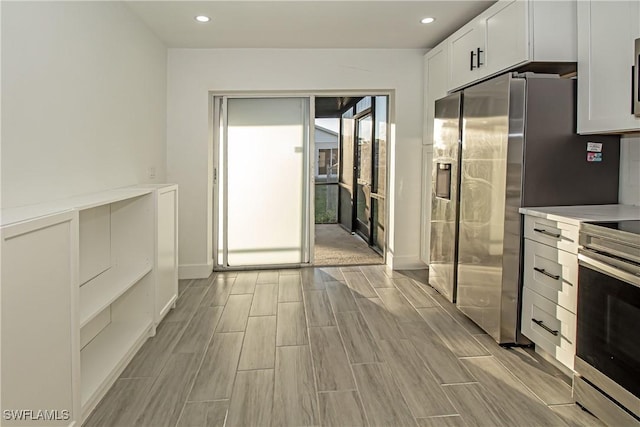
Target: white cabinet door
[[550, 326], [495, 41], [606, 34], [551, 273], [39, 342], [464, 47], [167, 251], [436, 82], [507, 40], [512, 33]]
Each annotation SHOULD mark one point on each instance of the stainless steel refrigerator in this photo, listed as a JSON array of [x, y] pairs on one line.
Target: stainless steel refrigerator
[[447, 142], [516, 146]]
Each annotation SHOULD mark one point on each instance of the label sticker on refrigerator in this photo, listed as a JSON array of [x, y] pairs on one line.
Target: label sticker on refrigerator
[[594, 147], [594, 157]]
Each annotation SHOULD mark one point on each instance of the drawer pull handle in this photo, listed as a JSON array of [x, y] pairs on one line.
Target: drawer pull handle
[[546, 273], [546, 233], [545, 327]]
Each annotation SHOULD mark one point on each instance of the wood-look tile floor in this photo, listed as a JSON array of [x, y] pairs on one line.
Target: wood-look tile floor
[[351, 346]]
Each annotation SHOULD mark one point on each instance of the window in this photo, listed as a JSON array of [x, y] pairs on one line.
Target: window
[[328, 163]]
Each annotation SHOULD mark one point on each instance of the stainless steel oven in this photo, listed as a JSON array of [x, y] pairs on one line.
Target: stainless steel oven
[[607, 363]]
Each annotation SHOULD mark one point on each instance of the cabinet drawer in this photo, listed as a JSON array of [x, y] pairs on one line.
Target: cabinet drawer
[[552, 273], [552, 233], [550, 326]]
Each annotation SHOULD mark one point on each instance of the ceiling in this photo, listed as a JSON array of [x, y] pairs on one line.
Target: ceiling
[[331, 106], [305, 24]]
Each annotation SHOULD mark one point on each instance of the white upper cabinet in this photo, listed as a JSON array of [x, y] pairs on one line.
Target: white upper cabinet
[[436, 83], [606, 34], [507, 37], [467, 54], [509, 34]]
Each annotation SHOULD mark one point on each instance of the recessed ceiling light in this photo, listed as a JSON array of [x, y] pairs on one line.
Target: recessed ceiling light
[[427, 20], [202, 18]]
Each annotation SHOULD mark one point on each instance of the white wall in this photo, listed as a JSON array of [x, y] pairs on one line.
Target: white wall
[[193, 73], [630, 170], [83, 100]]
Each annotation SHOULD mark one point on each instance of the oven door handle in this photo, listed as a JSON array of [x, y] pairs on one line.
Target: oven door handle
[[604, 268]]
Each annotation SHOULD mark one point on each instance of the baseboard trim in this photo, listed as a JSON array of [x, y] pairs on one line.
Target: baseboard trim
[[407, 262], [195, 271]]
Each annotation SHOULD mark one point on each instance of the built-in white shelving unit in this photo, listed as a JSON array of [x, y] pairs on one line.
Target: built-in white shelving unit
[[117, 247], [106, 274]]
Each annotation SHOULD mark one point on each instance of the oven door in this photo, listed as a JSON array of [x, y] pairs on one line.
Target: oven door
[[608, 317]]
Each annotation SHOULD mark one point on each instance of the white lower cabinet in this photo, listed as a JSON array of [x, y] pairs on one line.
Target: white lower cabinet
[[39, 345], [550, 280], [551, 273], [550, 326], [165, 274], [82, 290]]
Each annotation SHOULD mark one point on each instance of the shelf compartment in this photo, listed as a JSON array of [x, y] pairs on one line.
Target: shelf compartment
[[101, 357], [98, 293], [107, 354]]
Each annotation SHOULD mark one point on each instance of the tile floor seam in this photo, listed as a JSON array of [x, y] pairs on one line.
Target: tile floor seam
[[344, 348], [484, 356], [464, 383], [351, 365], [517, 378], [204, 353], [313, 365], [425, 365]]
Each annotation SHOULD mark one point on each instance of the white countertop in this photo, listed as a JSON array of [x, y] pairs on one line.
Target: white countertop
[[86, 201], [578, 214]]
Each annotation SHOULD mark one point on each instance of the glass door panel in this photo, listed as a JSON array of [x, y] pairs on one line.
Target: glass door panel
[[364, 129], [266, 149], [379, 173], [345, 168]]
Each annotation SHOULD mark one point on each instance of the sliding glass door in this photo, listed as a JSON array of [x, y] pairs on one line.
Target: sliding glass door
[[262, 181]]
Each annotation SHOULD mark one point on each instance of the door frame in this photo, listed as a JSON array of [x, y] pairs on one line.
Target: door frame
[[354, 220], [212, 184]]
